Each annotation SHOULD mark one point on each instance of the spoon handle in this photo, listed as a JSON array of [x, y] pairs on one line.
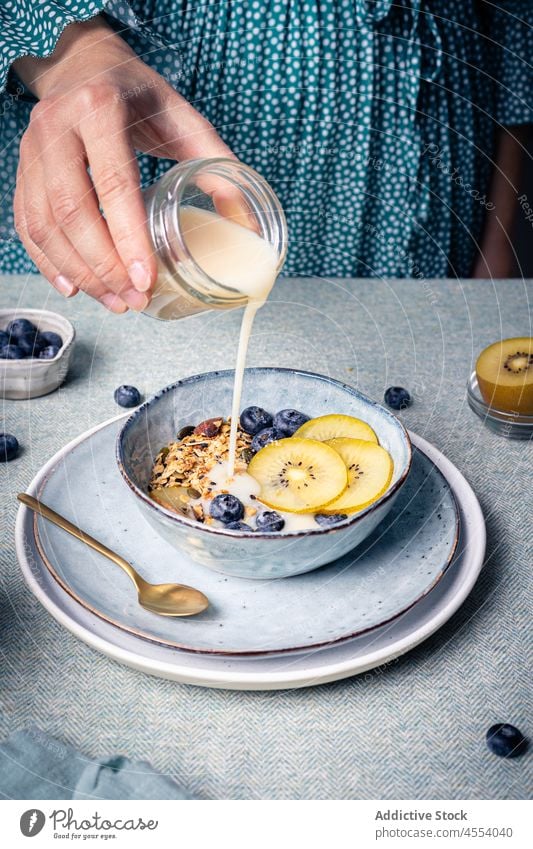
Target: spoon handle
[[61, 522]]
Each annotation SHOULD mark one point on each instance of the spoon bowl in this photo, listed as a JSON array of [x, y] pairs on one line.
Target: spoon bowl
[[166, 599]]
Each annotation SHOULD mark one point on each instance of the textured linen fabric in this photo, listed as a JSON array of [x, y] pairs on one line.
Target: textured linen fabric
[[373, 121], [34, 765], [414, 728]]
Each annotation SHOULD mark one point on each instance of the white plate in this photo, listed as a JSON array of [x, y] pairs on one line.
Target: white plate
[[275, 672], [368, 587]]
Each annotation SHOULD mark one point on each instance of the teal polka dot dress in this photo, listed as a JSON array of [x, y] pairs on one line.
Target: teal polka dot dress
[[373, 121]]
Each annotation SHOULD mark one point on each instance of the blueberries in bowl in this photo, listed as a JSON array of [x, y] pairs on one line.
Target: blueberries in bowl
[[49, 352], [50, 338], [506, 740], [255, 419], [287, 422], [9, 447], [226, 508], [11, 352], [23, 340], [326, 521], [397, 398], [30, 344], [127, 396], [19, 327], [265, 437], [269, 521]]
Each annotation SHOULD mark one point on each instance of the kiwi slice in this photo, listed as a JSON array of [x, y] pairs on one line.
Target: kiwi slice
[[369, 474], [334, 426], [298, 475], [505, 375], [174, 498]]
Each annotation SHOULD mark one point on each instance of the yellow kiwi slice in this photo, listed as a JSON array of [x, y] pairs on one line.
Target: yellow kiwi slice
[[369, 473], [298, 475], [335, 426], [505, 374], [172, 497]]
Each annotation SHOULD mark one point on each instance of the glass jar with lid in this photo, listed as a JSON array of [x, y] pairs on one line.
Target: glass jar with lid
[[217, 228]]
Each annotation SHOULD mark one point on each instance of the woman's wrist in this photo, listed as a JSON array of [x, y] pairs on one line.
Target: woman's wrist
[[70, 62]]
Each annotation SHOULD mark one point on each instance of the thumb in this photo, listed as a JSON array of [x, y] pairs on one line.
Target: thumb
[[185, 134], [181, 132]]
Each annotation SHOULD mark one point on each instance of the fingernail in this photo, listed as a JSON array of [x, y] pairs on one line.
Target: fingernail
[[64, 286], [140, 276], [113, 302], [135, 300]]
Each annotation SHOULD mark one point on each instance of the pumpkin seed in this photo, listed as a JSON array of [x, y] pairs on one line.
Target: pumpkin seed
[[185, 431], [247, 455]]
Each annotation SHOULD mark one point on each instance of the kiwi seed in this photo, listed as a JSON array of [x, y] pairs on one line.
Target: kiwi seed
[[519, 362]]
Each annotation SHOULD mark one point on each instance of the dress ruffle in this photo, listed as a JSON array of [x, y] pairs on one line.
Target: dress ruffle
[[33, 29]]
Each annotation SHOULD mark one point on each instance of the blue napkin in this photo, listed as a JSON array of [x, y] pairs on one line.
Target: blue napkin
[[36, 766]]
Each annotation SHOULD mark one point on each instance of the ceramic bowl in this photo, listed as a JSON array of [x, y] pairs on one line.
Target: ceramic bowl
[[255, 554], [22, 379]]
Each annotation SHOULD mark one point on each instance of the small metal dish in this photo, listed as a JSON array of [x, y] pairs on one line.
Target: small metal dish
[[503, 422]]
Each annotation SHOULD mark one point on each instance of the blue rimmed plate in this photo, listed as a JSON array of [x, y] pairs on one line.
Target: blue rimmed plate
[[396, 567]]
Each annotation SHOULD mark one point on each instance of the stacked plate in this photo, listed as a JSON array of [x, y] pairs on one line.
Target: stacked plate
[[359, 612]]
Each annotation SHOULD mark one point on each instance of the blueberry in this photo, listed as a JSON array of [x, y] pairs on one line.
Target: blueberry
[[4, 338], [326, 521], [127, 396], [185, 431], [30, 344], [397, 398], [9, 447], [238, 526], [254, 419], [51, 338], [20, 326], [264, 437], [270, 521], [505, 740], [49, 352], [288, 421], [11, 352], [226, 508]]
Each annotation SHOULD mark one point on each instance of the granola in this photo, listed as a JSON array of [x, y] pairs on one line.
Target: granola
[[186, 463]]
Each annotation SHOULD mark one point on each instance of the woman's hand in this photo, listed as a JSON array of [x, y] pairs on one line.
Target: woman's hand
[[98, 102]]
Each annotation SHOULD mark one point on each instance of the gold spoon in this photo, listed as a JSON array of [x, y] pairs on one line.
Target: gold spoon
[[164, 599]]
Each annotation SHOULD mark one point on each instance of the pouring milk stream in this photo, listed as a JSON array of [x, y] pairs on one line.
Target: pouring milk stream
[[242, 260]]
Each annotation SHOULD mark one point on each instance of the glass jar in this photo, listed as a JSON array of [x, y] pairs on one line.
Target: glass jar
[[223, 187]]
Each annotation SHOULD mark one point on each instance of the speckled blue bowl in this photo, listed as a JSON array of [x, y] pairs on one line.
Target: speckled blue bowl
[[245, 554]]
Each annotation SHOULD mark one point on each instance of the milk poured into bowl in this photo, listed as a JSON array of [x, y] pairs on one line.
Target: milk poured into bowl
[[237, 258]]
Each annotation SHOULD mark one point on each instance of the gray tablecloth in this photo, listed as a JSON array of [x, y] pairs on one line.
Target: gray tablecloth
[[414, 731]]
